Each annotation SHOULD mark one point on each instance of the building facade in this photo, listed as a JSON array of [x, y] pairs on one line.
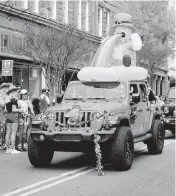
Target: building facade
[[172, 60], [92, 17]]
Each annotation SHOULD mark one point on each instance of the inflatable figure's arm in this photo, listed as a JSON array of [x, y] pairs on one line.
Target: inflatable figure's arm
[[136, 42]]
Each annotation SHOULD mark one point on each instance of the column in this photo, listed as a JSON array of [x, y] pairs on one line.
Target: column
[[43, 80], [161, 86], [65, 11], [164, 86], [36, 6], [158, 85], [54, 14], [96, 22], [79, 15], [25, 4], [100, 15], [154, 83], [87, 16], [108, 23]]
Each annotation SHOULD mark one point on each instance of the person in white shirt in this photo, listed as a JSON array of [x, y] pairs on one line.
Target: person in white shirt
[[44, 101], [44, 96], [24, 118]]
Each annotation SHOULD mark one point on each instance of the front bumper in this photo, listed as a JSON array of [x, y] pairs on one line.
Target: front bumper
[[71, 135]]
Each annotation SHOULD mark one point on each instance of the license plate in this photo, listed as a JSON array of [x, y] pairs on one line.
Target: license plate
[[68, 137]]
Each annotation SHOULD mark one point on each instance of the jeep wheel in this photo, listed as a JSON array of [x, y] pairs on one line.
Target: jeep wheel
[[39, 155], [123, 149], [156, 143]]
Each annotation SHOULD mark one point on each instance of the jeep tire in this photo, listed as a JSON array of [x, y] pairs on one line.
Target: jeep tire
[[39, 155], [122, 149], [156, 143]]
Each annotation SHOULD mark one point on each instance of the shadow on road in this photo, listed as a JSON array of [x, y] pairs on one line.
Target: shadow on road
[[71, 163], [78, 161]]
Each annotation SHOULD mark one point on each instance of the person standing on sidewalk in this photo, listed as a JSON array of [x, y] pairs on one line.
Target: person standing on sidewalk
[[12, 118], [24, 118], [44, 101], [3, 91]]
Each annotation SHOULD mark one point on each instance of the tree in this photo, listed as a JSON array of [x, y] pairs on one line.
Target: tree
[[155, 24], [56, 50]]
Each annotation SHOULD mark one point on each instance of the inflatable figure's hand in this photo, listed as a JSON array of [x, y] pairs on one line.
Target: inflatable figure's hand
[[136, 42]]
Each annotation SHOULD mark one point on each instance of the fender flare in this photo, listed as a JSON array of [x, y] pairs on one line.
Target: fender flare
[[154, 115], [123, 121]]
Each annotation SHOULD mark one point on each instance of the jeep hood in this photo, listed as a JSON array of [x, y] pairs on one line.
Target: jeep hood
[[111, 106]]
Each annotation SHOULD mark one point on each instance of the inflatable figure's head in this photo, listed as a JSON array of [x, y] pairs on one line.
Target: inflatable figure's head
[[122, 23]]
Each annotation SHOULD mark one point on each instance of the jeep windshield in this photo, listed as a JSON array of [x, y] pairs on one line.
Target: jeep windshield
[[96, 90]]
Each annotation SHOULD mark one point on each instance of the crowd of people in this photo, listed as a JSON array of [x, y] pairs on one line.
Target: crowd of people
[[17, 110]]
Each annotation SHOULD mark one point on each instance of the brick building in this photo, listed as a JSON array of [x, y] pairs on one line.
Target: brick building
[[93, 17]]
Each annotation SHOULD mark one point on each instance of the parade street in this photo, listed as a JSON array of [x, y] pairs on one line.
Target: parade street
[[71, 174]]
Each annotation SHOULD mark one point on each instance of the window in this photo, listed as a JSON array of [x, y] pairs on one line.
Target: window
[[134, 93], [6, 38], [143, 92], [5, 42], [17, 42], [100, 20], [107, 18], [98, 14]]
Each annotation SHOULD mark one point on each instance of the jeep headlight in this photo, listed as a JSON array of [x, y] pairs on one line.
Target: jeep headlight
[[96, 116], [48, 121]]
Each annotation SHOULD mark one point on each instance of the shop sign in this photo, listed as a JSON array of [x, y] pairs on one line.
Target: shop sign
[[7, 68]]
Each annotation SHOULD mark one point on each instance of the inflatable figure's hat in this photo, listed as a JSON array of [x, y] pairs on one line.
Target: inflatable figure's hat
[[123, 19]]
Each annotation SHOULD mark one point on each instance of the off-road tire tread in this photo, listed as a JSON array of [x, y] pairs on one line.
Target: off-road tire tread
[[119, 161], [39, 155], [152, 145]]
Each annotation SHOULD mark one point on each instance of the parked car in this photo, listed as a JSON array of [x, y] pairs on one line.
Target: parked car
[[169, 112]]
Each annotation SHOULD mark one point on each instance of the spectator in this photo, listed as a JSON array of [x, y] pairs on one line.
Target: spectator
[[3, 90], [44, 101], [12, 118], [24, 118], [36, 106]]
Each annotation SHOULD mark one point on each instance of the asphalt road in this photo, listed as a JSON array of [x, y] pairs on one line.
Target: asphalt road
[[70, 174]]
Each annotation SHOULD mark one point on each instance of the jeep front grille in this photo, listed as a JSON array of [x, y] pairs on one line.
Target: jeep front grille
[[60, 119]]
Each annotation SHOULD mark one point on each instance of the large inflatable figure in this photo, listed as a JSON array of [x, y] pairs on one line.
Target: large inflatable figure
[[116, 57]]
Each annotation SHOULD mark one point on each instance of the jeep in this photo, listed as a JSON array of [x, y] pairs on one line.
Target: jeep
[[169, 112], [128, 117]]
